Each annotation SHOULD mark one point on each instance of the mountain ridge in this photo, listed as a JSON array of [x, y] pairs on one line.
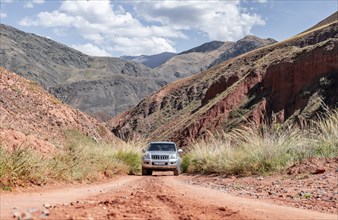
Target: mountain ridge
[[151, 61], [205, 56], [204, 48]]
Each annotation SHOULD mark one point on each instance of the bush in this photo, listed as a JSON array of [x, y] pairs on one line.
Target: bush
[[80, 159], [21, 166], [263, 149], [130, 155]]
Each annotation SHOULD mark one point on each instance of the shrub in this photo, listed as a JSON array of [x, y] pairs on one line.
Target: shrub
[[21, 166], [263, 149], [80, 159]]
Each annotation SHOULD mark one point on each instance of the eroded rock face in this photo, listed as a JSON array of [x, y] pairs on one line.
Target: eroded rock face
[[272, 83], [281, 90], [286, 80]]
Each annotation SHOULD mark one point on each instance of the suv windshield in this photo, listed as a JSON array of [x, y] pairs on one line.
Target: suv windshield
[[162, 147]]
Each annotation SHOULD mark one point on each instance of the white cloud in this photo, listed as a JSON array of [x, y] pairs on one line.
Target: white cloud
[[30, 4], [153, 26], [99, 23], [91, 50], [3, 14], [148, 45], [220, 20]]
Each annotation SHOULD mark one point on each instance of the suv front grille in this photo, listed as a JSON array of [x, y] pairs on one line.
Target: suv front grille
[[160, 157]]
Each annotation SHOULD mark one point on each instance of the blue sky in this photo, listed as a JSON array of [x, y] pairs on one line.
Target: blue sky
[[115, 28]]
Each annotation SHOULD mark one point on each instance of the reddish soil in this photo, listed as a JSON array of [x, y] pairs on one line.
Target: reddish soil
[[311, 184], [163, 196], [32, 118]]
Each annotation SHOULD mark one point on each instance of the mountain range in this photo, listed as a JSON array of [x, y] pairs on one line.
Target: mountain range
[[200, 58], [287, 81], [100, 86], [209, 54], [103, 86]]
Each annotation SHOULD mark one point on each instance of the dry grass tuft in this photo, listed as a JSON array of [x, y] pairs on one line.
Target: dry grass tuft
[[263, 149], [82, 159]]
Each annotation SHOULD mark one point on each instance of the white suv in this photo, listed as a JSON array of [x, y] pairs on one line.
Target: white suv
[[161, 156]]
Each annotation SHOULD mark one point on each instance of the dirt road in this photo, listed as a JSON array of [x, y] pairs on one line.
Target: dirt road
[[153, 197]]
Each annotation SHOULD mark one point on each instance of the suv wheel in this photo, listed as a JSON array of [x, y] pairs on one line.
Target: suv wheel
[[177, 171], [146, 172]]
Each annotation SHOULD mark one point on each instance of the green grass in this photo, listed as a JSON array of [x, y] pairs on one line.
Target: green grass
[[263, 149], [81, 159]]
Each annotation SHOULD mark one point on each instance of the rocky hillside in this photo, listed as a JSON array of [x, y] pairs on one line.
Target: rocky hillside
[[151, 61], [30, 117], [207, 55], [75, 77], [284, 81]]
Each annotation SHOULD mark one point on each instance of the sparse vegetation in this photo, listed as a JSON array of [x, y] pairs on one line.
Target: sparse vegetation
[[82, 159], [324, 82], [263, 149]]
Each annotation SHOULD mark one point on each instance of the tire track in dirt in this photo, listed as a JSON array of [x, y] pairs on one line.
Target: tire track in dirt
[[147, 198], [183, 207]]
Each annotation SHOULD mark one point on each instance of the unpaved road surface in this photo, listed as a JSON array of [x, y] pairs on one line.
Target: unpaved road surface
[[147, 197]]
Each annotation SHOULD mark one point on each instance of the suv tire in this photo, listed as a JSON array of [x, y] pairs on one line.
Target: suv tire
[[177, 171], [146, 172]]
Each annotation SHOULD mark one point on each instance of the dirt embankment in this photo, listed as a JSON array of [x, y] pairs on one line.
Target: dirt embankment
[[30, 117]]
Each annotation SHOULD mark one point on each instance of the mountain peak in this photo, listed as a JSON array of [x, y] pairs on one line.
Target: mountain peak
[[151, 61], [206, 47], [244, 45]]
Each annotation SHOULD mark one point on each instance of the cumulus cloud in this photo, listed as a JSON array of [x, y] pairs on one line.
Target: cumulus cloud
[[91, 50], [149, 45], [149, 26], [220, 20], [102, 24], [30, 4]]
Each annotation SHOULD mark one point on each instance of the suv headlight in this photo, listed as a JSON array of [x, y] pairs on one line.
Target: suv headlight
[[146, 156], [173, 156]]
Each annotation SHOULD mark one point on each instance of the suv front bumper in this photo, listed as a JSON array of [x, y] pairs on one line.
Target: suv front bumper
[[160, 164]]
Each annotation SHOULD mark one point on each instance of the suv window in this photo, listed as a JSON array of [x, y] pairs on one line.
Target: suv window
[[162, 147]]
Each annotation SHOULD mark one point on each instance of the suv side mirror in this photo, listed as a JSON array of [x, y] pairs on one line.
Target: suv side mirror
[[143, 150], [180, 151]]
